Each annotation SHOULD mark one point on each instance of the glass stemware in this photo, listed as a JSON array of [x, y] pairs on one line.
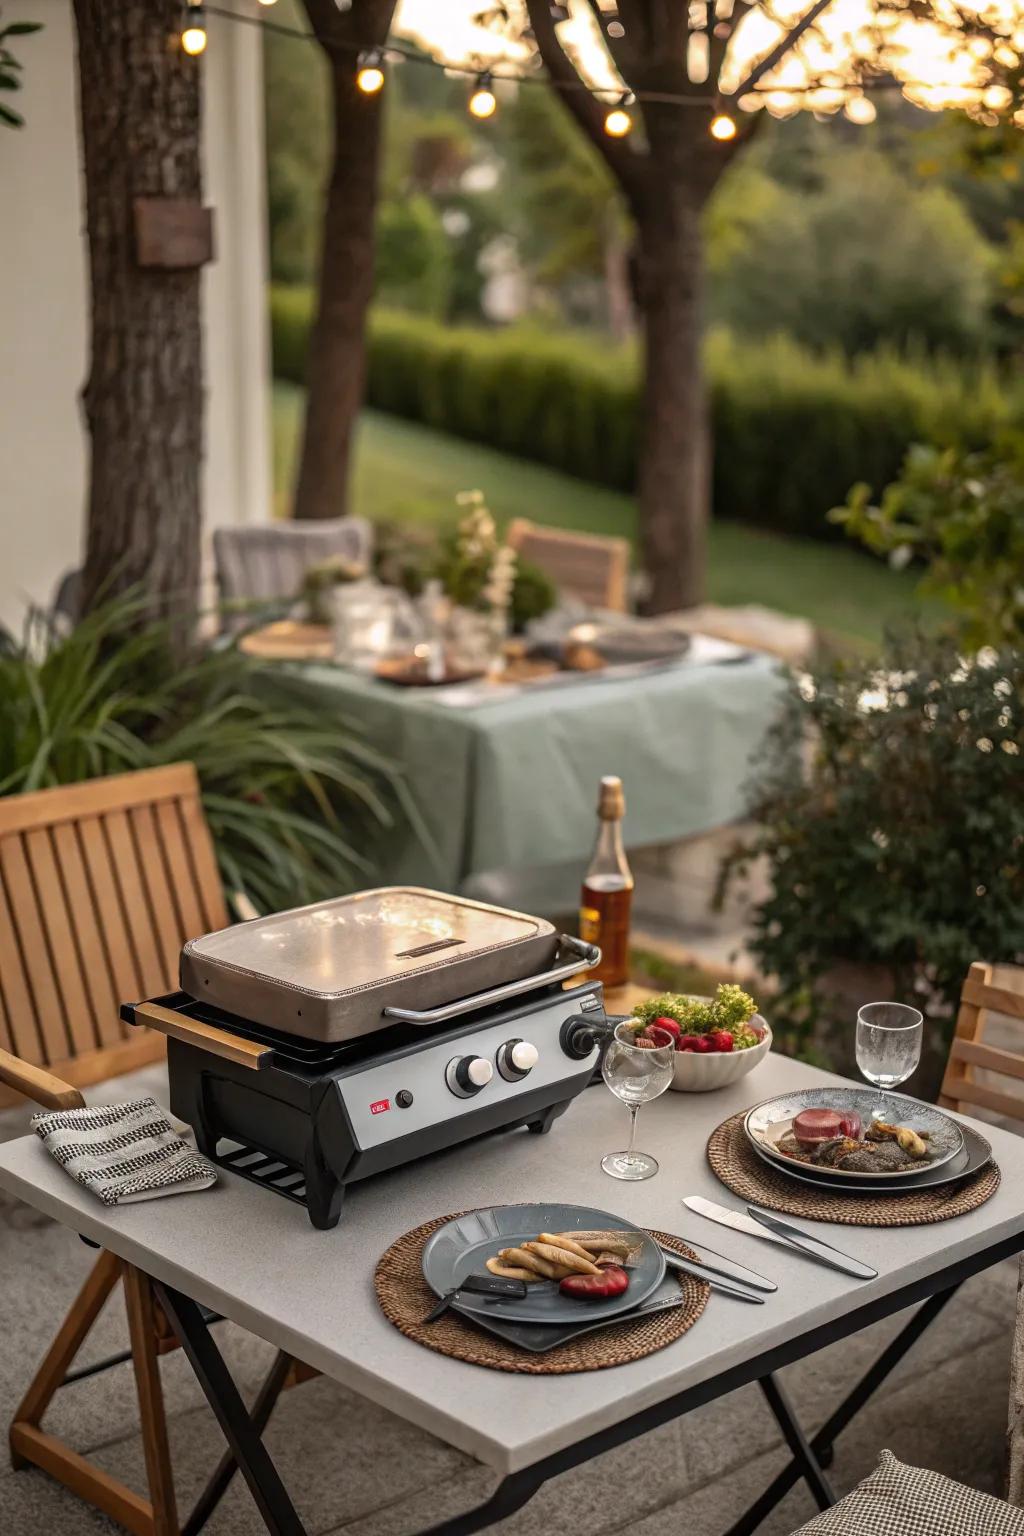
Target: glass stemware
[[888, 1046], [636, 1075]]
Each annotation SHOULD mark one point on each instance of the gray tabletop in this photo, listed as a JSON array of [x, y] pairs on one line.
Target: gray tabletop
[[256, 1259], [511, 785]]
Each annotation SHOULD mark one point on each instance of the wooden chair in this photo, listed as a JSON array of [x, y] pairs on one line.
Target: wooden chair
[[586, 566], [988, 990], [267, 562], [100, 885]]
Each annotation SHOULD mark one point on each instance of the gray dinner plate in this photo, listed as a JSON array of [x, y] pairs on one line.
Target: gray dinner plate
[[463, 1246], [974, 1155], [770, 1119]]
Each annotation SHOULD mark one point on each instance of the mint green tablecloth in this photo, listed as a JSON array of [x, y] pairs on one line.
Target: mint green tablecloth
[[508, 789]]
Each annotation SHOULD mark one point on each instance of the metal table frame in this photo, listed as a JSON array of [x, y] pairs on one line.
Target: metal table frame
[[810, 1455]]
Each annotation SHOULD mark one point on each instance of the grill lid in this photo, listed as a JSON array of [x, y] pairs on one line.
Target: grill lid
[[327, 971]]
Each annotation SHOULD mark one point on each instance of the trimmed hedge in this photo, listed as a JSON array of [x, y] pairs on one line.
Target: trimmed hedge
[[792, 430]]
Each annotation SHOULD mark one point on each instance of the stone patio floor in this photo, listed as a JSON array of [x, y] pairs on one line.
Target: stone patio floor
[[356, 1469]]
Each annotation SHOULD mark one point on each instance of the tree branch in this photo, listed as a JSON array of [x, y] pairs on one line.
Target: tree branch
[[365, 25], [778, 53], [625, 164]]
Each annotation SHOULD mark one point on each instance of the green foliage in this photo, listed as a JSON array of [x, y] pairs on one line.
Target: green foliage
[[10, 67], [298, 138], [892, 821], [793, 430], [412, 269], [533, 594], [296, 802], [866, 258], [730, 1008], [962, 514]]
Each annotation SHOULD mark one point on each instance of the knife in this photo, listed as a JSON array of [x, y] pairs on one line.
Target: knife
[[481, 1285], [711, 1277], [814, 1247], [727, 1268], [772, 1229]]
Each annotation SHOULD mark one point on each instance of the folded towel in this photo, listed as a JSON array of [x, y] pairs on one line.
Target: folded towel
[[123, 1152]]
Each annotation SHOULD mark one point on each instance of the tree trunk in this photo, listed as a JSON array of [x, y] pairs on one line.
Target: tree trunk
[[674, 470], [139, 103], [337, 350]]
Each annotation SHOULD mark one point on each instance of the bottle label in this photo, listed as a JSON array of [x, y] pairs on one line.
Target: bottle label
[[590, 925]]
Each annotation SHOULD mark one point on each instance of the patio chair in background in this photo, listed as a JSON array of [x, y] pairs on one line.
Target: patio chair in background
[[589, 567], [268, 563], [100, 885], [989, 1040]]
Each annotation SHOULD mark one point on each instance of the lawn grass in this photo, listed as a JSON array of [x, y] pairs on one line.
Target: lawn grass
[[407, 473]]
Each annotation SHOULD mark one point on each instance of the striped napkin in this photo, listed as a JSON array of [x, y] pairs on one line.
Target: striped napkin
[[123, 1152]]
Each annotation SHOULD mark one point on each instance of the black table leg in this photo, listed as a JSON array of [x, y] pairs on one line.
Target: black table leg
[[822, 1442], [265, 1485], [259, 1416], [804, 1458], [510, 1495]]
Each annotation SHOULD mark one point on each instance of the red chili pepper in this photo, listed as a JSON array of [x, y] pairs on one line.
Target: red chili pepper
[[611, 1281]]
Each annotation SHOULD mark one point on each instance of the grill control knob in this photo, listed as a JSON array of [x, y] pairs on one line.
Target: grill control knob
[[466, 1075], [516, 1058]]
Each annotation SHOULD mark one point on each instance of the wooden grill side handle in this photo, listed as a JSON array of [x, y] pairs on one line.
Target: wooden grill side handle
[[244, 1053]]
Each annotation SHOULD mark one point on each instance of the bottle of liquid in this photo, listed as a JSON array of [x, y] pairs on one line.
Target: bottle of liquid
[[607, 894]]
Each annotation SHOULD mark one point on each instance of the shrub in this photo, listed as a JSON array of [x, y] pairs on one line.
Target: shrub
[[892, 822], [963, 516], [793, 430]]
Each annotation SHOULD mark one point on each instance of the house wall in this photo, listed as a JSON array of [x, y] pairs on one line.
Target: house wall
[[44, 305]]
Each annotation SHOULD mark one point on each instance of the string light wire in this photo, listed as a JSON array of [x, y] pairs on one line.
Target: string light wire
[[714, 103]]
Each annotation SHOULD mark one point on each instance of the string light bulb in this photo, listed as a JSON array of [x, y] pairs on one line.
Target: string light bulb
[[723, 127], [618, 121], [268, 2], [193, 33], [483, 102], [860, 110], [369, 74]]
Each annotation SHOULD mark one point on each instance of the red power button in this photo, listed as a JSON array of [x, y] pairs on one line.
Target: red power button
[[380, 1106]]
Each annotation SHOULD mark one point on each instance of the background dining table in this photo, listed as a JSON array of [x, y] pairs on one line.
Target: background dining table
[[502, 780]]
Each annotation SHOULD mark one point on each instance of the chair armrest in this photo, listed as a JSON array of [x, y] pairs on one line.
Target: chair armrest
[[36, 1083]]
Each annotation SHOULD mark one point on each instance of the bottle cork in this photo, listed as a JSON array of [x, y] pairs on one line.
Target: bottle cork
[[611, 805]]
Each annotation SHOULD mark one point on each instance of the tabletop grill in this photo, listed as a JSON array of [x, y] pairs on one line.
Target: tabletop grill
[[376, 1029]]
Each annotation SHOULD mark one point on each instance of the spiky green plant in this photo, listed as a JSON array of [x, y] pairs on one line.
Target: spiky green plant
[[298, 802]]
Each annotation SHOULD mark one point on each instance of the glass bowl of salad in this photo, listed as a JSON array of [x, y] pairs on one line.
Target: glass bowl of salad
[[718, 1039]]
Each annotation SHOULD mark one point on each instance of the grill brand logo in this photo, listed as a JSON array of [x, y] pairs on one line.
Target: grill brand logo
[[380, 1106]]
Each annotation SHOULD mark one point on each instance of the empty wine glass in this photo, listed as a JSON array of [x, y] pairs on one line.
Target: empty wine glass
[[888, 1046], [635, 1074]]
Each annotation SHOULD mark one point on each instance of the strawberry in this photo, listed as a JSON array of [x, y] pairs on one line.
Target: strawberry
[[668, 1025], [702, 1044], [687, 1042], [721, 1040]]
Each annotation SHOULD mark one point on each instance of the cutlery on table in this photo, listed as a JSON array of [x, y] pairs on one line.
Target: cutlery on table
[[772, 1229], [727, 1268], [712, 1277], [479, 1285]]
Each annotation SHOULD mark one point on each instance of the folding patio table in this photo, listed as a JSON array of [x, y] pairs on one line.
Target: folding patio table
[[254, 1258]]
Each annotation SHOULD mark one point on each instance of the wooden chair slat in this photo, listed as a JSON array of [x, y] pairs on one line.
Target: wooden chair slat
[[69, 802], [171, 831], [997, 999], [590, 567], [61, 942], [155, 877], [206, 876], [22, 1027], [31, 936], [992, 1057], [988, 1098], [123, 971], [124, 858], [95, 962]]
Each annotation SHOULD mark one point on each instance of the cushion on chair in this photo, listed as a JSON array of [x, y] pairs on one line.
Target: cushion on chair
[[897, 1500]]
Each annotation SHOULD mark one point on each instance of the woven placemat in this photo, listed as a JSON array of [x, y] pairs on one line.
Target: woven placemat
[[406, 1298], [741, 1170]]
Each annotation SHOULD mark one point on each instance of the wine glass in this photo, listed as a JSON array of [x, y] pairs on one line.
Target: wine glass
[[888, 1046], [635, 1074]]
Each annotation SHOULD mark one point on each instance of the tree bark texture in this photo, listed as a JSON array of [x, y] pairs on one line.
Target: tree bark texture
[[143, 402], [337, 351], [674, 481]]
